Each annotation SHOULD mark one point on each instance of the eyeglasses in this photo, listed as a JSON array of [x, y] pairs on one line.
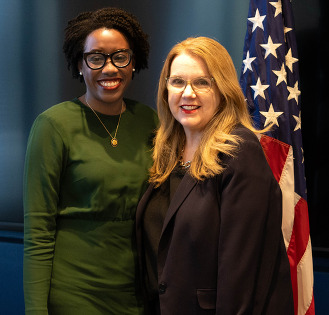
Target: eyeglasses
[[97, 60], [200, 85]]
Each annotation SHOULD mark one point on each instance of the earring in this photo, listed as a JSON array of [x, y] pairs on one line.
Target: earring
[[134, 69], [80, 73]]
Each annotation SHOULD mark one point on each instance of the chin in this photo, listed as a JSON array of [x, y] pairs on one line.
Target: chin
[[112, 97]]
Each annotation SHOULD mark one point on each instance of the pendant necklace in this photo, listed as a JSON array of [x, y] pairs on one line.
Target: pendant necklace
[[114, 140]]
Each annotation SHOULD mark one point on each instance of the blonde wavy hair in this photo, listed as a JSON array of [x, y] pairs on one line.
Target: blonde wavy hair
[[217, 138]]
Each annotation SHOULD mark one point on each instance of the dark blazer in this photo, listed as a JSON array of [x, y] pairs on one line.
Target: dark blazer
[[221, 249]]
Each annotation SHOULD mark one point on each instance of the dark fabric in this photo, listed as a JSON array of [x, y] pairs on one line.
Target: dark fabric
[[221, 250], [153, 220]]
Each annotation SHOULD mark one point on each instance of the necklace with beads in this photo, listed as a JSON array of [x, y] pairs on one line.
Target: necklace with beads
[[114, 140], [186, 164], [183, 164]]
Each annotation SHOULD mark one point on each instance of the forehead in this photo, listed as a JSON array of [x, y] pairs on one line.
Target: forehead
[[106, 40], [188, 65]]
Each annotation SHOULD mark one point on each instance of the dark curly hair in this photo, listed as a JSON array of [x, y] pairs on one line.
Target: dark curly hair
[[80, 27]]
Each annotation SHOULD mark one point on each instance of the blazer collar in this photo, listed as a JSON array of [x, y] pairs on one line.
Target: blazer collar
[[183, 190]]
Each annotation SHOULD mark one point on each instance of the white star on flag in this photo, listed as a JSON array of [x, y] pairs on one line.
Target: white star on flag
[[281, 74], [257, 20], [293, 92], [290, 60], [259, 89], [271, 116], [278, 7], [247, 62], [270, 47], [287, 29], [298, 122]]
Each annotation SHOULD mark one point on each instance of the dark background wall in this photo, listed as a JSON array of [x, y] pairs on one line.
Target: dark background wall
[[312, 27], [34, 76]]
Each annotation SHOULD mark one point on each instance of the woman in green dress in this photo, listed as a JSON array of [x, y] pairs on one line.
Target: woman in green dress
[[86, 165]]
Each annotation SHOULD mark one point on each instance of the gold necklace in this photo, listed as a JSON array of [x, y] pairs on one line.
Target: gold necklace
[[114, 140]]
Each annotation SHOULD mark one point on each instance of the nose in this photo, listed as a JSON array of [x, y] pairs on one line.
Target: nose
[[188, 91], [109, 66]]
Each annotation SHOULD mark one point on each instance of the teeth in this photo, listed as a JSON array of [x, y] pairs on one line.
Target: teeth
[[109, 83], [190, 107]]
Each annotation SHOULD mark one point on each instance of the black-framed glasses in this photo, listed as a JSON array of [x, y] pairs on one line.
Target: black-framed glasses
[[97, 60], [200, 84]]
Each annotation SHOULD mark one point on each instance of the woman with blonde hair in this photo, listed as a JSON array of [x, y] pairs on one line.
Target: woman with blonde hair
[[209, 226]]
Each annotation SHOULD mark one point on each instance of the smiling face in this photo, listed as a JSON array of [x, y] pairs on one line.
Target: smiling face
[[193, 110], [105, 86]]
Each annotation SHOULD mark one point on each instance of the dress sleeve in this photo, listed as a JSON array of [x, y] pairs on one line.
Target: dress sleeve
[[43, 167], [251, 211]]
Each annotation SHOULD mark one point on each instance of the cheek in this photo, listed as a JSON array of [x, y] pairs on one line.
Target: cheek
[[173, 101], [215, 101], [127, 71], [171, 108], [84, 68], [87, 73]]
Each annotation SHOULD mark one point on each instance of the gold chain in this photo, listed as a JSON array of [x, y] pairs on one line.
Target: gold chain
[[114, 140]]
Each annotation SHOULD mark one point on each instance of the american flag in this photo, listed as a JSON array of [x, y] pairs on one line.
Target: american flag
[[270, 81]]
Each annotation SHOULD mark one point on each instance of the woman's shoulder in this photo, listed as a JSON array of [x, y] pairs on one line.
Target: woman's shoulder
[[249, 154], [62, 108], [245, 134], [248, 141], [58, 116]]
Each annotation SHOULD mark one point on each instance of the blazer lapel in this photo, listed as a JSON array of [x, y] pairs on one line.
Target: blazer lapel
[[183, 190]]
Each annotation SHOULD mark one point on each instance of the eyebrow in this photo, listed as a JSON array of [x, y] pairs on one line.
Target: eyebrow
[[100, 50], [94, 51]]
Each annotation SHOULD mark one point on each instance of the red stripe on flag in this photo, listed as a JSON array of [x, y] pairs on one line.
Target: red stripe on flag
[[276, 153], [293, 268], [311, 309], [301, 228], [300, 231], [295, 249]]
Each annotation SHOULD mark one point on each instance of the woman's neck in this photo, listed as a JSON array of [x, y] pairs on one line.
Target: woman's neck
[[103, 108], [191, 145]]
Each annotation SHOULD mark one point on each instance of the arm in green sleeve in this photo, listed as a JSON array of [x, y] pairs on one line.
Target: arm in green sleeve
[[43, 167]]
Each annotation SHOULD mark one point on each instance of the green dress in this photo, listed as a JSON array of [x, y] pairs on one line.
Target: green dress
[[80, 197]]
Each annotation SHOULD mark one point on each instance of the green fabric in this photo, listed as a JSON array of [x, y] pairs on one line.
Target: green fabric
[[80, 197]]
